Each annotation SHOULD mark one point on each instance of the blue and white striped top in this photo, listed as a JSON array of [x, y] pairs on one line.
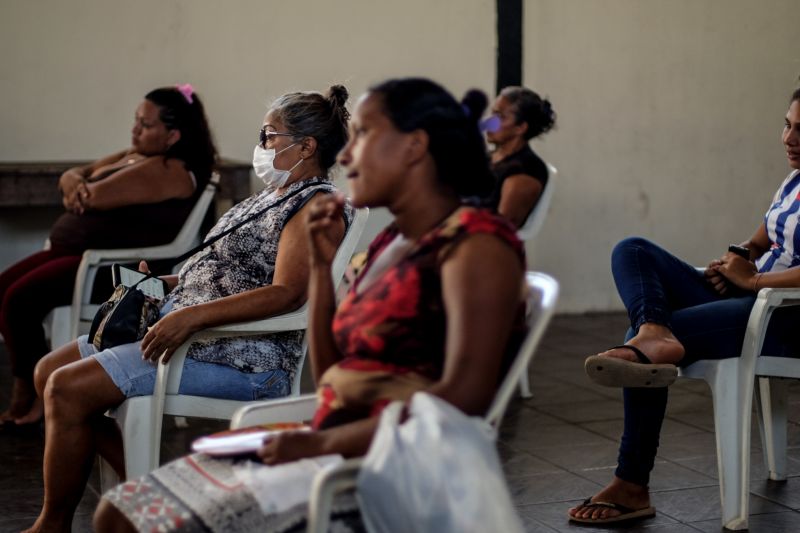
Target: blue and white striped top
[[782, 221]]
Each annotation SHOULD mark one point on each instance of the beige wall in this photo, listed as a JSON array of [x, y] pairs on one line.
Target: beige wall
[[669, 111], [669, 121], [72, 73]]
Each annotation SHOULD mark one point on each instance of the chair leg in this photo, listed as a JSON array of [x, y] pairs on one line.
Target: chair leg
[[772, 408], [61, 318], [524, 385], [108, 477], [140, 442], [733, 441]]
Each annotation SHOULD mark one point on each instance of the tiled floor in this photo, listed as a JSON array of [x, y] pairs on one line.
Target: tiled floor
[[558, 447]]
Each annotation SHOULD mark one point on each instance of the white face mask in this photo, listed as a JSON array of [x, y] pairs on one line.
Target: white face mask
[[263, 164]]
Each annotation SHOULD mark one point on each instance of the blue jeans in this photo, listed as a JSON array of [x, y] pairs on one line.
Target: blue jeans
[[657, 287]]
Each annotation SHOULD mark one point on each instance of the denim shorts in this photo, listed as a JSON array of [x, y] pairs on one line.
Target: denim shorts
[[135, 377]]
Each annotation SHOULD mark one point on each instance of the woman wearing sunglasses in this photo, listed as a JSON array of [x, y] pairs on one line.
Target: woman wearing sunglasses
[[134, 198], [259, 270], [519, 115]]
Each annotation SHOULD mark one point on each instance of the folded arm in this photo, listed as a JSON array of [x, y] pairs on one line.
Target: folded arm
[[152, 180], [73, 180]]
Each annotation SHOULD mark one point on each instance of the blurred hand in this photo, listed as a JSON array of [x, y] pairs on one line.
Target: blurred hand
[[291, 446], [737, 270], [324, 213], [714, 278], [74, 192]]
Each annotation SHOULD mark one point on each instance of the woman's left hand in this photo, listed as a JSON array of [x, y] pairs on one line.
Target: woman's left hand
[[166, 335], [291, 446], [737, 270]]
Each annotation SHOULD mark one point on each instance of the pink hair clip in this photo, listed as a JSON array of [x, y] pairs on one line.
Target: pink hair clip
[[187, 91]]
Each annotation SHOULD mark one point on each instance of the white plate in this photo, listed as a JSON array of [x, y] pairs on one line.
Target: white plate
[[236, 443]]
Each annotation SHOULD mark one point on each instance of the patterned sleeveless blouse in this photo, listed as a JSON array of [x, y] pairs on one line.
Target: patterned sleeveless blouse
[[393, 331], [242, 261]]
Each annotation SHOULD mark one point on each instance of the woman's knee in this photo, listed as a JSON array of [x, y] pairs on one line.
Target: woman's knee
[[51, 362], [631, 243]]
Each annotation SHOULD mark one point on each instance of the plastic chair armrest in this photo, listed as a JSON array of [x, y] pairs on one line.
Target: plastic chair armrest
[[327, 483], [767, 301], [294, 409], [291, 321]]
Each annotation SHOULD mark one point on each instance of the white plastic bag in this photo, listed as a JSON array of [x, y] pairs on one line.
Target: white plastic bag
[[437, 472]]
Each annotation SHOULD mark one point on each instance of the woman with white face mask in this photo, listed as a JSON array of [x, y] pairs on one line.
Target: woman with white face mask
[[259, 270]]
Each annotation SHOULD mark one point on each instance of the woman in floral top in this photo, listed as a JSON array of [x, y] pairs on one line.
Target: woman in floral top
[[434, 308]]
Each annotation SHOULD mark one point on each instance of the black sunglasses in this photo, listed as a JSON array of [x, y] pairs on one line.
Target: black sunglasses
[[264, 136]]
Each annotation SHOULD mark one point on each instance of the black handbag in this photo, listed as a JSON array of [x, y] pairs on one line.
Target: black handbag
[[126, 316]]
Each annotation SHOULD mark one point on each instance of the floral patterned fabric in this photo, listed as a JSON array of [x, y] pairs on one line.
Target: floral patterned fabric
[[242, 261], [393, 332]]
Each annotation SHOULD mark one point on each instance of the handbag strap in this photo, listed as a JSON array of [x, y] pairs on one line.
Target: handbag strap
[[230, 230]]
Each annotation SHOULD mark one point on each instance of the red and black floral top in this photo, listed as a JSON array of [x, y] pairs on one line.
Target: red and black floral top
[[392, 332]]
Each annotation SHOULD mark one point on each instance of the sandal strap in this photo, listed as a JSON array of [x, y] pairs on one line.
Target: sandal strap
[[589, 504], [639, 354]]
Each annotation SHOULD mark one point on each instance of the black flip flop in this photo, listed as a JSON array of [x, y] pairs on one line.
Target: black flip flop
[[626, 513], [616, 372]]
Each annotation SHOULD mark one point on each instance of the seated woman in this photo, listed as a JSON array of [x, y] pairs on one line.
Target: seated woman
[[433, 309], [678, 316], [260, 269], [137, 197], [519, 116]]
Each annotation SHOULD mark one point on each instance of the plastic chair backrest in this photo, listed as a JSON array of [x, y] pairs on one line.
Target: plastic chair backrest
[[188, 236], [541, 303], [140, 418], [533, 224], [340, 262]]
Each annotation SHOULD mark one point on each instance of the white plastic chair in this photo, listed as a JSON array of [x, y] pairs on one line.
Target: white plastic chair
[[732, 383], [533, 224], [67, 322], [542, 296], [140, 418], [529, 230]]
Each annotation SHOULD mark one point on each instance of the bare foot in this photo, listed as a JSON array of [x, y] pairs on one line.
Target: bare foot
[[22, 397], [619, 492], [34, 414], [655, 341]]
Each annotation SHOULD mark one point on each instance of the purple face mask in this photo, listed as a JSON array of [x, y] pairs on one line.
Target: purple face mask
[[490, 124]]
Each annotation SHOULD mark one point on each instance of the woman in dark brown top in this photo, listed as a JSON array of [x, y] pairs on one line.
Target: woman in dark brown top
[[137, 197], [519, 115]]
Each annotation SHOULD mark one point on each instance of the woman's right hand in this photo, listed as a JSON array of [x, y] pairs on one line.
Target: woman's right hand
[[73, 191], [324, 238], [714, 278]]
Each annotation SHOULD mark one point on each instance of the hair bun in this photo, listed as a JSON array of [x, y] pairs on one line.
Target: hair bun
[[338, 95], [474, 103]]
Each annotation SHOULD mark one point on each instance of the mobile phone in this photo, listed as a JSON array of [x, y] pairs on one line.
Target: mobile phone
[[741, 251], [153, 287]]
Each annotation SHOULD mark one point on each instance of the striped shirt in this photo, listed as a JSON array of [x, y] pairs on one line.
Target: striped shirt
[[782, 220]]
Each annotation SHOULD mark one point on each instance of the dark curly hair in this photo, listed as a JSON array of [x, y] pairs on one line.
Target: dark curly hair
[[455, 142], [310, 114], [196, 145], [531, 109]]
